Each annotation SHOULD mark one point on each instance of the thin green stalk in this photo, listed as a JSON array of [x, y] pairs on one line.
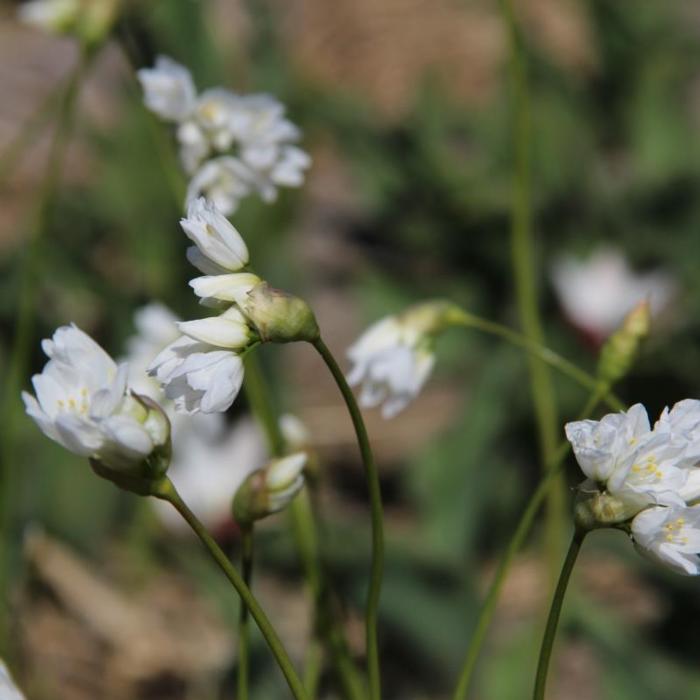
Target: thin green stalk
[[516, 542], [29, 272], [523, 263], [168, 493], [553, 359], [305, 535], [554, 613], [313, 667], [243, 626], [375, 498]]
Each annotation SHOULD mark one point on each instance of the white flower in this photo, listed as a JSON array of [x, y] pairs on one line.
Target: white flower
[[224, 288], [8, 689], [636, 465], [82, 402], [392, 362], [284, 478], [168, 89], [215, 238], [224, 182], [597, 293], [670, 536], [197, 376], [228, 330]]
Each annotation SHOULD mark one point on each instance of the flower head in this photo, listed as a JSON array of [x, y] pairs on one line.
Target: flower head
[[224, 181], [393, 358], [83, 403]]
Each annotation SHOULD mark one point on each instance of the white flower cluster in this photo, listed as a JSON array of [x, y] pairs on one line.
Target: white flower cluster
[[394, 357], [650, 476], [202, 369], [230, 145], [83, 403]]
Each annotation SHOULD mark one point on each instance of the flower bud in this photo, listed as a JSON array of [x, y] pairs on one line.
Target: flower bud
[[270, 489], [121, 459], [595, 509], [280, 317], [621, 348]]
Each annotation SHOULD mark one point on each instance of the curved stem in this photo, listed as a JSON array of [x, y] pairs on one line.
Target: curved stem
[[168, 493], [518, 538], [375, 497], [554, 613], [542, 352], [243, 627]]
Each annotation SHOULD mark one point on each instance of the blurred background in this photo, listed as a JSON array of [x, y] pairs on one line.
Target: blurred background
[[404, 108]]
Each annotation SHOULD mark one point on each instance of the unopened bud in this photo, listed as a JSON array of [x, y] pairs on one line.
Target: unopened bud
[[270, 489], [621, 348], [121, 462], [595, 509], [280, 317]]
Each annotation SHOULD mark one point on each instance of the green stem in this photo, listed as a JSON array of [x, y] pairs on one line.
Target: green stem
[[312, 668], [304, 528], [243, 626], [518, 538], [554, 613], [542, 352], [523, 263], [375, 497], [168, 493], [29, 273]]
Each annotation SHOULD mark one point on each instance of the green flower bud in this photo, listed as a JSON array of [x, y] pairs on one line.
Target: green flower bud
[[270, 489], [595, 509], [621, 348], [279, 317]]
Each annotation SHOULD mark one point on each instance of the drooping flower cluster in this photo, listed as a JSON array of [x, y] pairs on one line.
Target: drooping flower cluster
[[646, 477], [394, 357], [202, 370], [83, 402], [231, 145]]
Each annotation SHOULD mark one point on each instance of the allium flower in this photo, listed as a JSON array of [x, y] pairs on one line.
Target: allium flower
[[83, 403], [224, 181], [393, 358], [634, 464], [232, 145], [197, 376], [670, 536], [168, 89], [8, 689], [218, 246], [597, 293]]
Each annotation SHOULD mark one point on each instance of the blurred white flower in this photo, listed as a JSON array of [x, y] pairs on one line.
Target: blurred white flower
[[224, 181], [670, 536], [392, 360], [210, 462], [232, 145], [54, 16], [8, 689], [82, 402], [168, 89], [216, 240], [636, 465], [197, 376], [598, 292]]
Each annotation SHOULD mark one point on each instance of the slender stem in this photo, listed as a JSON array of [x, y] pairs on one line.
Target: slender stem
[[518, 538], [29, 272], [523, 263], [554, 613], [243, 626], [580, 376], [168, 493], [305, 534], [312, 668], [375, 497]]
